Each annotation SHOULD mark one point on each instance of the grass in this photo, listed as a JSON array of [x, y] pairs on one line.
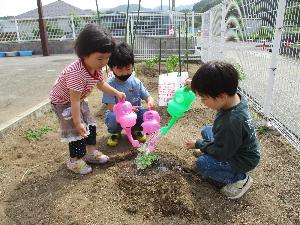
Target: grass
[[36, 134]]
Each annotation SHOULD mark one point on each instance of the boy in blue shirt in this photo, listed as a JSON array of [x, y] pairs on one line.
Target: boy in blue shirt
[[121, 63], [229, 148]]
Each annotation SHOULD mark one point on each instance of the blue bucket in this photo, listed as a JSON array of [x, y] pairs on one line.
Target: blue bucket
[[2, 54], [25, 53]]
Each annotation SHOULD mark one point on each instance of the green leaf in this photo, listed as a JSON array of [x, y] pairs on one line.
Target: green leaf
[[36, 134]]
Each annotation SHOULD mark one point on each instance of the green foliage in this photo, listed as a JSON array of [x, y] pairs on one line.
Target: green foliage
[[241, 71], [296, 45], [261, 130], [8, 36], [172, 63], [292, 30], [36, 134], [263, 33], [204, 5], [53, 31], [150, 63], [77, 21], [145, 159]]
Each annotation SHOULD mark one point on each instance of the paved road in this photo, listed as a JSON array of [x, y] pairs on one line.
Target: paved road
[[26, 82]]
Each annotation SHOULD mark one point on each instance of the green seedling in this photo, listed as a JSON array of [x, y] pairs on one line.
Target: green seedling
[[152, 62], [36, 134], [172, 63], [261, 130], [145, 159]]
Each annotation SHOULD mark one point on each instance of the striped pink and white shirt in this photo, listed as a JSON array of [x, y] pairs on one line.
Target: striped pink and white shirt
[[74, 77]]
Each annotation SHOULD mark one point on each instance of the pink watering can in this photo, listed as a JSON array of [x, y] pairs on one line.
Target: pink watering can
[[126, 118], [151, 126]]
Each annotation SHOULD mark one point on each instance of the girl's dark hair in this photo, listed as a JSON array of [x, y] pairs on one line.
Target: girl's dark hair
[[121, 56], [93, 38], [215, 78]]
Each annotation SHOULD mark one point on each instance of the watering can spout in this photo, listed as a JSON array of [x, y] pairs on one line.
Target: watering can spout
[[178, 105]]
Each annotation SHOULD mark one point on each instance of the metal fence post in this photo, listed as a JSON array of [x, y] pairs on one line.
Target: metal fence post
[[73, 28], [210, 34], [131, 30], [204, 53], [17, 29], [274, 58], [223, 30], [193, 23], [127, 30]]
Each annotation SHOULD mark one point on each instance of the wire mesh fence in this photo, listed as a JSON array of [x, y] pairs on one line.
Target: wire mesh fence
[[140, 24], [262, 39], [147, 32]]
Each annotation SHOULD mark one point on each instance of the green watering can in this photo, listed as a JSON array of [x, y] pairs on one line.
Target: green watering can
[[178, 105]]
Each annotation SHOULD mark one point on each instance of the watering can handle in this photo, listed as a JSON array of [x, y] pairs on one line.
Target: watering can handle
[[121, 100]]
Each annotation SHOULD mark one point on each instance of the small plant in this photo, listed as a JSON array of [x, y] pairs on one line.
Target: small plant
[[261, 130], [241, 71], [145, 158], [172, 63], [36, 134], [151, 62]]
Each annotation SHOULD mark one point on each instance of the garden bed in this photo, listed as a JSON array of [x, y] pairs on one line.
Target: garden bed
[[36, 187]]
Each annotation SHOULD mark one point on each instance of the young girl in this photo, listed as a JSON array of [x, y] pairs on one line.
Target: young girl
[[68, 97]]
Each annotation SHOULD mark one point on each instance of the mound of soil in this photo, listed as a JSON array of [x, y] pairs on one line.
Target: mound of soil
[[162, 189]]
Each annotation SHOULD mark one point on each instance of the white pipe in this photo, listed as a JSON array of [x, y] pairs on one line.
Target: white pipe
[[274, 59], [17, 29], [223, 30]]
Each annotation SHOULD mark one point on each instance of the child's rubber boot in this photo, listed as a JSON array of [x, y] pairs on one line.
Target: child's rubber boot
[[114, 139], [140, 136]]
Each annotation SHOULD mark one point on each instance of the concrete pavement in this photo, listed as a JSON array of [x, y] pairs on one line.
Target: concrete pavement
[[25, 83]]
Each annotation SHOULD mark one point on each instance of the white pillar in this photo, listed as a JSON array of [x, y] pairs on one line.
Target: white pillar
[[73, 28], [127, 30], [210, 36], [223, 30], [274, 58], [17, 30], [131, 28], [193, 23]]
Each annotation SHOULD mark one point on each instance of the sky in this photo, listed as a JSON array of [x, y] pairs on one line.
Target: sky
[[16, 7]]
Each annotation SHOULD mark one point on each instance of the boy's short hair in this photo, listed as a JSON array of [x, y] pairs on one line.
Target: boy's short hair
[[215, 78], [93, 38], [121, 56]]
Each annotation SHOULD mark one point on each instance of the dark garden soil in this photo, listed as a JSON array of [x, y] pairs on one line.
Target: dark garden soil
[[36, 187]]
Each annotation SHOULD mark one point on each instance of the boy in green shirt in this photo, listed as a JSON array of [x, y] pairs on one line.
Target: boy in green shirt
[[230, 147]]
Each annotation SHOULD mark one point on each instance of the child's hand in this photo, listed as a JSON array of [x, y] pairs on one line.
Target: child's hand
[[190, 144], [81, 130], [135, 108], [121, 95], [151, 104], [188, 82]]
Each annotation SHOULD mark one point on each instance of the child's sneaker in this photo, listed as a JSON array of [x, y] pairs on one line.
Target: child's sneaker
[[96, 157], [237, 189], [113, 140], [79, 166], [140, 136]]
